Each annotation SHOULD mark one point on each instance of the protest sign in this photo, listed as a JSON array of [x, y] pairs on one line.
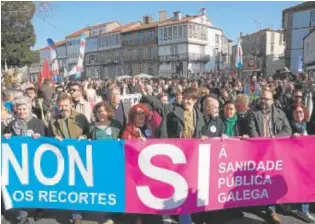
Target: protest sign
[[160, 176], [71, 174], [187, 176], [131, 98]]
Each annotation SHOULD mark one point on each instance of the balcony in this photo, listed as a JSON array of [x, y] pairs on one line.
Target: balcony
[[141, 58], [185, 57], [128, 43]]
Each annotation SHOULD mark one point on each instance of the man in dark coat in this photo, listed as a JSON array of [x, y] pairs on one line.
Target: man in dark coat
[[214, 125], [268, 121]]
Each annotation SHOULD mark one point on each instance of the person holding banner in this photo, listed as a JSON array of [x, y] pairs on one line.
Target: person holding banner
[[300, 117], [69, 124], [25, 123], [214, 125], [268, 121], [105, 127]]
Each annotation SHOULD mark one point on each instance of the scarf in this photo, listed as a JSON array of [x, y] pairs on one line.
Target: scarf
[[19, 126], [229, 124], [300, 127]]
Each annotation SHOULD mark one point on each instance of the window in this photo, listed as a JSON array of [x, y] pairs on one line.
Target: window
[[170, 33], [190, 30], [173, 65], [272, 38], [272, 48], [217, 38], [130, 55], [194, 31], [174, 50], [161, 34], [175, 32], [313, 18], [151, 35], [280, 39], [165, 33], [106, 41], [150, 51], [140, 54], [180, 31], [202, 50], [185, 30], [140, 36]]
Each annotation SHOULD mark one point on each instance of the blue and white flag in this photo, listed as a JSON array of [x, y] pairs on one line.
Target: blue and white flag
[[54, 60], [76, 70], [239, 55]]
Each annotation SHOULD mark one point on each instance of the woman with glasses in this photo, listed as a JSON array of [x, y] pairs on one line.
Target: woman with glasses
[[300, 117]]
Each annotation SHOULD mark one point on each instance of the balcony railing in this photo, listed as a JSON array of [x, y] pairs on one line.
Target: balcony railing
[[133, 42], [184, 57], [141, 58]]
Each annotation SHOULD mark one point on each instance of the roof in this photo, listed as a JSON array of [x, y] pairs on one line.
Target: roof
[[57, 44], [83, 30], [101, 25], [76, 33], [183, 20], [143, 27], [299, 7], [262, 30], [125, 28]]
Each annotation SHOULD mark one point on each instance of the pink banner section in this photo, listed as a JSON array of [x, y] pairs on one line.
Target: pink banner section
[[184, 176]]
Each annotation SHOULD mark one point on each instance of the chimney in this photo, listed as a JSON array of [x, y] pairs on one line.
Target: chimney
[[203, 11], [147, 19], [177, 15], [162, 15]]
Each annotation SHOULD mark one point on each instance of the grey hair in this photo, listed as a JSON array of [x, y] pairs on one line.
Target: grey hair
[[23, 101]]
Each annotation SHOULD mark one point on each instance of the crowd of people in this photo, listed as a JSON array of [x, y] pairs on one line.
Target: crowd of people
[[211, 107]]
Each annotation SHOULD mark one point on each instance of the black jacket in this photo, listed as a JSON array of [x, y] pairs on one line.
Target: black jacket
[[280, 123], [173, 118], [214, 127], [175, 123]]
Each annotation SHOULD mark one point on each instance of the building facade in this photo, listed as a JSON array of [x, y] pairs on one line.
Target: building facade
[[263, 52], [297, 22], [309, 53], [181, 45], [140, 47]]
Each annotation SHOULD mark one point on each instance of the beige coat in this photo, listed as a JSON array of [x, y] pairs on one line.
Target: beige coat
[[85, 108]]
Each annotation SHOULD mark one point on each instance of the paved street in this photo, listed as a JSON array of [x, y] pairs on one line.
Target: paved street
[[62, 217]]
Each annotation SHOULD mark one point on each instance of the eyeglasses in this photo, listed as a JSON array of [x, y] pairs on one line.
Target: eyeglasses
[[299, 111], [298, 96]]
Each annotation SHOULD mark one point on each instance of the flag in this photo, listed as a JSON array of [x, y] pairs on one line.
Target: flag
[[44, 74], [54, 60], [239, 55], [76, 70]]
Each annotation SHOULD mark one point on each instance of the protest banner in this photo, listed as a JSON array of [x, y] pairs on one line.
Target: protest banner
[[71, 174], [131, 98], [160, 176]]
